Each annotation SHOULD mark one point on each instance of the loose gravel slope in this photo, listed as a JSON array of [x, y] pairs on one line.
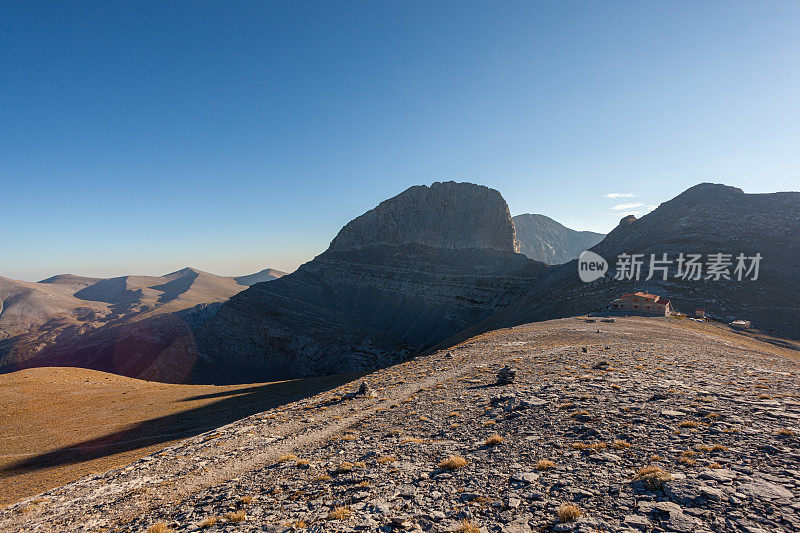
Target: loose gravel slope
[[633, 425]]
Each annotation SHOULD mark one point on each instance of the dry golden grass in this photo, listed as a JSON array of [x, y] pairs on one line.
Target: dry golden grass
[[493, 440], [466, 526], [234, 517], [652, 476], [621, 445], [286, 458], [383, 459], [591, 446], [298, 524], [340, 513], [691, 424], [454, 462], [344, 468], [785, 432], [130, 417], [545, 464], [409, 440], [303, 464], [160, 527], [210, 521], [322, 477], [568, 512]]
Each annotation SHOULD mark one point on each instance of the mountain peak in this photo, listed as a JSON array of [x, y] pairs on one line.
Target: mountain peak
[[546, 240], [445, 215]]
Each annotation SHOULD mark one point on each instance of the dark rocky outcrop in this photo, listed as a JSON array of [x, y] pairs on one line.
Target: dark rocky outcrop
[[543, 239], [705, 219], [413, 271]]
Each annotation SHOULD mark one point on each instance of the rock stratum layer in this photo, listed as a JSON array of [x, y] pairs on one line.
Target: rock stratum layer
[[415, 270]]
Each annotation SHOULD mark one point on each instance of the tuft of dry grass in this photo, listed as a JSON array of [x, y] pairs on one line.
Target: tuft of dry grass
[[298, 524], [160, 527], [493, 440], [340, 513], [286, 458], [466, 526], [652, 476], [210, 521], [591, 446], [322, 477], [344, 468], [383, 459], [569, 512], [302, 463], [785, 432], [545, 464], [407, 440], [691, 424], [454, 462], [235, 517], [621, 445]]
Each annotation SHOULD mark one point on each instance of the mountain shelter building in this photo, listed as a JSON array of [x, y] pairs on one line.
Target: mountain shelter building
[[642, 303]]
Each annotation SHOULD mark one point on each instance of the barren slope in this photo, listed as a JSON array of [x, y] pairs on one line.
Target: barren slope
[[601, 401], [58, 424], [127, 324]]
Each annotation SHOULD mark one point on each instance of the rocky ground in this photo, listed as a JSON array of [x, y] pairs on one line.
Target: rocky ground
[[632, 425]]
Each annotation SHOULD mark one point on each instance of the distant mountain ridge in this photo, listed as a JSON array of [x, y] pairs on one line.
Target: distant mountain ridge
[[705, 219], [79, 321], [543, 239]]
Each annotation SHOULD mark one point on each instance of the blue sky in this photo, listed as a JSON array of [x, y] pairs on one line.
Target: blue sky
[[142, 137]]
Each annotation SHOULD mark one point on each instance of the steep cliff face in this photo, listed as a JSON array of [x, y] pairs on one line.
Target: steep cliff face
[[409, 273], [705, 219], [449, 216], [543, 239]]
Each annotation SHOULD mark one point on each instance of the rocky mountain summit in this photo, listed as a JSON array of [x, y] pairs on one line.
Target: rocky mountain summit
[[543, 239], [448, 216], [632, 425], [410, 273], [706, 219]]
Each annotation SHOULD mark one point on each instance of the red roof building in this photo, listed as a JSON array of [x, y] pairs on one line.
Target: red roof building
[[642, 303]]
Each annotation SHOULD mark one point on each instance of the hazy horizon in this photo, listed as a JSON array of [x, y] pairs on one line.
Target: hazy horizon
[[143, 138]]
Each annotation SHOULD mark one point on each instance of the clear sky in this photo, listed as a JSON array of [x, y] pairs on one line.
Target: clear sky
[[141, 137]]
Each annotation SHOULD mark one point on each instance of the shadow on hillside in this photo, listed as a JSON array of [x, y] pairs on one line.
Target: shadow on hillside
[[236, 405]]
